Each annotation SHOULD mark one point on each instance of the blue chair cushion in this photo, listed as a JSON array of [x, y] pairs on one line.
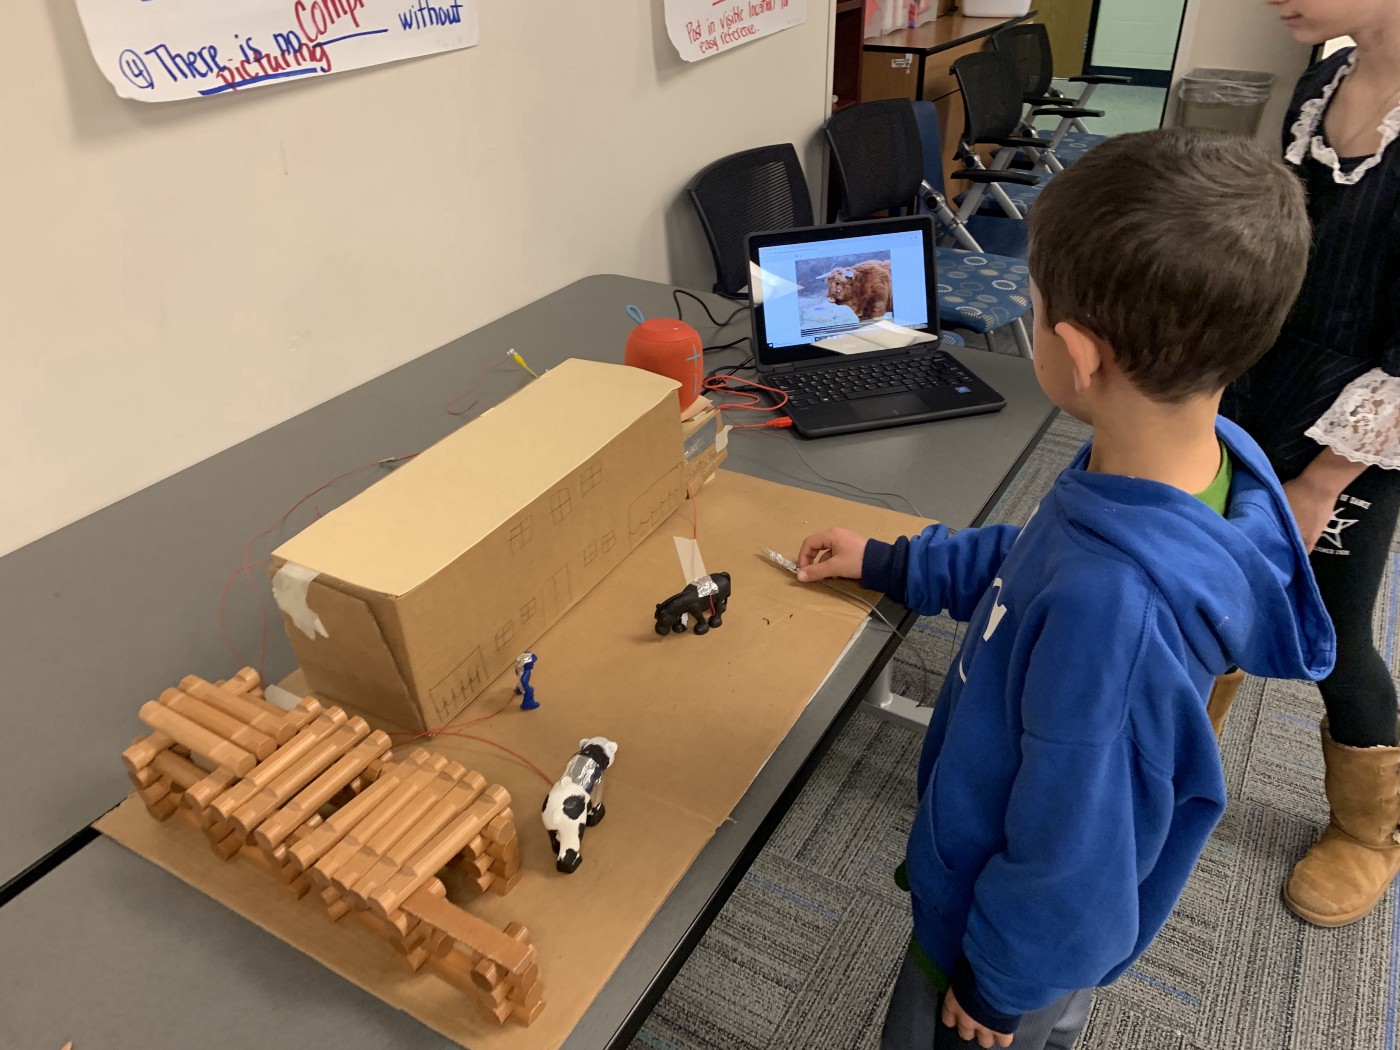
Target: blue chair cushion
[[981, 292], [1000, 236], [953, 339], [1075, 144], [1022, 198]]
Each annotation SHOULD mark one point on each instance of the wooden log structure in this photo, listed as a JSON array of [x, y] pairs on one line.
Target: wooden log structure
[[318, 799]]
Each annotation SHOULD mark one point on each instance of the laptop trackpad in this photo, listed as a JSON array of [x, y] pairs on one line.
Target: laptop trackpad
[[890, 406]]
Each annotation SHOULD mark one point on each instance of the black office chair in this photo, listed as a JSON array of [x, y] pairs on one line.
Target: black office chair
[[755, 191], [1029, 43], [991, 92], [879, 157]]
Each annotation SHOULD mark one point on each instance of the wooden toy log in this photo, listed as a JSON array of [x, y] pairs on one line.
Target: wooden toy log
[[326, 751], [503, 884], [181, 772], [210, 788], [465, 928], [314, 846], [236, 698], [155, 792], [198, 739], [283, 759], [307, 710], [320, 791], [401, 824], [143, 750], [225, 725], [418, 835], [501, 829], [365, 834], [440, 851]]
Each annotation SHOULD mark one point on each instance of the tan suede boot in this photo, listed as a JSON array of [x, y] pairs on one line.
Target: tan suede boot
[[1349, 868], [1222, 695]]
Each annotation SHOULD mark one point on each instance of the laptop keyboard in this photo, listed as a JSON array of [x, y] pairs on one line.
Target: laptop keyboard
[[849, 382]]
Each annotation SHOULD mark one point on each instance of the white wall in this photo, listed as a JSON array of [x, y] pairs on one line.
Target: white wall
[[1241, 34], [1137, 34], [177, 277]]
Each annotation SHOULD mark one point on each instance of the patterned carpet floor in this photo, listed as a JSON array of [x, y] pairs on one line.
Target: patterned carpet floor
[[805, 952]]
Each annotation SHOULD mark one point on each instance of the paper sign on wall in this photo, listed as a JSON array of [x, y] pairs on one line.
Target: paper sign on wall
[[159, 50], [701, 28]]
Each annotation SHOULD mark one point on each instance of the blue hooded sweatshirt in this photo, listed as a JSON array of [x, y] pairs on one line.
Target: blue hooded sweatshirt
[[1070, 777]]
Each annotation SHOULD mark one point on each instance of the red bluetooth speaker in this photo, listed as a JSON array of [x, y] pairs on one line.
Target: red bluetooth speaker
[[670, 348]]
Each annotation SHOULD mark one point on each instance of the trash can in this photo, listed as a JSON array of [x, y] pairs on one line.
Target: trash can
[[1230, 100]]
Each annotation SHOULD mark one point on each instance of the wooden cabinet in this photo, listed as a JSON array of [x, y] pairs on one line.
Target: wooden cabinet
[[891, 66]]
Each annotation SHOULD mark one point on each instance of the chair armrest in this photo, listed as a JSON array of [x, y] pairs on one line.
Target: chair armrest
[[1070, 114], [1049, 100], [1100, 80], [982, 175], [1017, 142]]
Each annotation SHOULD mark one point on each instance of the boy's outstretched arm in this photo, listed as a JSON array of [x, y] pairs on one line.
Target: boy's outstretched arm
[[930, 572]]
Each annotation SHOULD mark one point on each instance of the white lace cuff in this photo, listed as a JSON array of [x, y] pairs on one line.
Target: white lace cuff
[[1363, 424]]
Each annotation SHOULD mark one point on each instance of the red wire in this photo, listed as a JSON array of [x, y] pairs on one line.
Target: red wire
[[451, 729], [473, 387], [722, 384], [513, 754], [246, 568]]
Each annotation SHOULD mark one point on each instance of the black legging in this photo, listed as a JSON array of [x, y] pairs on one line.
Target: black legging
[[1349, 562]]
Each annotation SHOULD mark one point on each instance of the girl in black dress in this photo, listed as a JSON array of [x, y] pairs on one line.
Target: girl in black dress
[[1325, 405]]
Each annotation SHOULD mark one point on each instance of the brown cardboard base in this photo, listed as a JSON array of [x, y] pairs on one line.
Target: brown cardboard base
[[695, 719]]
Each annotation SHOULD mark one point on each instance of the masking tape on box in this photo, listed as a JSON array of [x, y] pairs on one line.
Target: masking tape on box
[[289, 587], [722, 438], [692, 565], [704, 438]]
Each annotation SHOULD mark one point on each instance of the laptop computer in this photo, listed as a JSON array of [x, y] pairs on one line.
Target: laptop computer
[[845, 322]]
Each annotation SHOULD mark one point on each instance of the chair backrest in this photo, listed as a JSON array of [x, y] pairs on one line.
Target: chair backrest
[[879, 157], [931, 141], [1029, 43], [991, 90], [755, 191]]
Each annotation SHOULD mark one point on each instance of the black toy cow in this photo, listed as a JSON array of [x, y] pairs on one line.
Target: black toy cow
[[704, 601]]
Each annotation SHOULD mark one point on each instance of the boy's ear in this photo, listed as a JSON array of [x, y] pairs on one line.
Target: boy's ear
[[1087, 353]]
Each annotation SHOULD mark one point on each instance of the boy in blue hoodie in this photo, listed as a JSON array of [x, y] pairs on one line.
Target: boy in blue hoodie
[[1070, 776]]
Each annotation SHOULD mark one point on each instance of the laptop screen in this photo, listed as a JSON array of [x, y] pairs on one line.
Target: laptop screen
[[853, 288]]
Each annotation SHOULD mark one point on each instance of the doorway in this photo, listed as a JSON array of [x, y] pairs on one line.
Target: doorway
[[1136, 39]]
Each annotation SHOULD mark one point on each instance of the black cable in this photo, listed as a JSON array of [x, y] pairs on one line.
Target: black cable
[[719, 369], [676, 294], [726, 346], [852, 485]]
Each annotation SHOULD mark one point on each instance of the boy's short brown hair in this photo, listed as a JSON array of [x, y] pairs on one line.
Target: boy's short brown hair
[[1184, 250]]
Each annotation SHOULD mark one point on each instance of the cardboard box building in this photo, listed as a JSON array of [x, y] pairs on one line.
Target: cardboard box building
[[405, 602]]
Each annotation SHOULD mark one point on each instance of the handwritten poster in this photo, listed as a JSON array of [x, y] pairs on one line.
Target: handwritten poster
[[160, 50], [701, 28]]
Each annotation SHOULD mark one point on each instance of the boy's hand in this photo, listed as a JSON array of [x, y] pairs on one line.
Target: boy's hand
[[955, 1017], [845, 554]]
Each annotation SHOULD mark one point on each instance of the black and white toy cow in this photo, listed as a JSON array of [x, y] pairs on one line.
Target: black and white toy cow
[[576, 801]]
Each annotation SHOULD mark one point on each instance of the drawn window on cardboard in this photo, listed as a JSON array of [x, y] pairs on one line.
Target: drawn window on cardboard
[[561, 504], [464, 681], [519, 535], [505, 634], [608, 541], [528, 610], [590, 552], [591, 476]]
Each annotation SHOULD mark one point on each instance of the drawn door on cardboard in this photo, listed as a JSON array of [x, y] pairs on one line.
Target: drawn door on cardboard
[[558, 595]]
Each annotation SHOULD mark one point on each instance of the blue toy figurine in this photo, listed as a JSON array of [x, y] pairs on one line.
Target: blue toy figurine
[[524, 664]]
